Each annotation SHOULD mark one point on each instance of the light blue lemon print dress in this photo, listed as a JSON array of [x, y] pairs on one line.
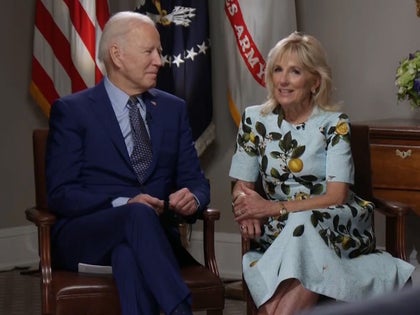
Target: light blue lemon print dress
[[332, 250]]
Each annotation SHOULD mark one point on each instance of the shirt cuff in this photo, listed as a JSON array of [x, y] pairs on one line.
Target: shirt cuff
[[197, 202], [120, 201]]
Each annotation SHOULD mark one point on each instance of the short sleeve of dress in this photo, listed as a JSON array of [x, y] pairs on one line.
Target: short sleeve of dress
[[339, 164], [245, 162]]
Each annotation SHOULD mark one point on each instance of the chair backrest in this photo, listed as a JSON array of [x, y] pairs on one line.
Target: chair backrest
[[39, 140], [361, 156]]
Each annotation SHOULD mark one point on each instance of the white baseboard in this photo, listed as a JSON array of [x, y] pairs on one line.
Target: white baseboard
[[228, 252], [19, 247]]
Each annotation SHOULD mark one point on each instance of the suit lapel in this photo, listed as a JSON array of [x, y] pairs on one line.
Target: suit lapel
[[101, 106]]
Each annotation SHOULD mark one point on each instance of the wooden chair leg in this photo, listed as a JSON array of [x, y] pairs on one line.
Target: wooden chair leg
[[251, 309]]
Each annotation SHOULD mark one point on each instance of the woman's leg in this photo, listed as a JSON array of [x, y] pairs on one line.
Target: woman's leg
[[289, 298]]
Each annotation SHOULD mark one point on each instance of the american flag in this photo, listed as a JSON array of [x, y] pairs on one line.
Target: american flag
[[64, 60], [184, 30]]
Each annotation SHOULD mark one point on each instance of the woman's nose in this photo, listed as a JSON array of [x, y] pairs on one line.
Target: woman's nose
[[283, 78]]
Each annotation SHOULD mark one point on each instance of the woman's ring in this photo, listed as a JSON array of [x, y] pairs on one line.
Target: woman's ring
[[240, 194], [243, 227]]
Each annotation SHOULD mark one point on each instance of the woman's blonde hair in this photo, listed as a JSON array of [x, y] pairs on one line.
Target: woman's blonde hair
[[312, 57]]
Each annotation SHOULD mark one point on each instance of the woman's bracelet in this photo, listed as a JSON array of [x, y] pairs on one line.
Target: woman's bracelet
[[283, 209]]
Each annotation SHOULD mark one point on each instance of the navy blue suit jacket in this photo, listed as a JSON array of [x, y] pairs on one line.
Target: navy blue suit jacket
[[88, 164]]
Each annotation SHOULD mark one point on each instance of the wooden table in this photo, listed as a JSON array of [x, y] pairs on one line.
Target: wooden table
[[395, 159]]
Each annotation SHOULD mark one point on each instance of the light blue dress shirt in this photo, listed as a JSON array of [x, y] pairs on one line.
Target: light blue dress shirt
[[119, 101]]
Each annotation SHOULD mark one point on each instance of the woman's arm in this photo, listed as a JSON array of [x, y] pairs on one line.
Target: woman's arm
[[250, 205]]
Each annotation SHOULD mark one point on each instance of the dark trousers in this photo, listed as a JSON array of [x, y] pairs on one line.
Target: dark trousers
[[132, 240]]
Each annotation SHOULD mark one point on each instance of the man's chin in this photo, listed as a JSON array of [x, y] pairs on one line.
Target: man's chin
[[151, 84]]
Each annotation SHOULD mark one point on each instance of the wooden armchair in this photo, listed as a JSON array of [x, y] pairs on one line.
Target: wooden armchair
[[70, 293], [395, 212]]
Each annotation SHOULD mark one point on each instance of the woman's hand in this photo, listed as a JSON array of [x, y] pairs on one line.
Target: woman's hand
[[243, 195], [249, 205], [250, 229]]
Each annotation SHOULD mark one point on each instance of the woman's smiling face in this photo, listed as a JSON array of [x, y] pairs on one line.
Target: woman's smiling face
[[292, 82]]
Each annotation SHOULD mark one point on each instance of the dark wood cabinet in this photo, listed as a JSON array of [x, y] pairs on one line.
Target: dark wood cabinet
[[395, 159]]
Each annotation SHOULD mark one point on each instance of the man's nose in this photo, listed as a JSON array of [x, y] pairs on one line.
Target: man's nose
[[157, 58]]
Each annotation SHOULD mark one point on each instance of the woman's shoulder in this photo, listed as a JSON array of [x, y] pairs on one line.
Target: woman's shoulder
[[257, 112], [253, 110], [326, 116]]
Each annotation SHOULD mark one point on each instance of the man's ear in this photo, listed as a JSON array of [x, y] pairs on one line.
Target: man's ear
[[115, 55]]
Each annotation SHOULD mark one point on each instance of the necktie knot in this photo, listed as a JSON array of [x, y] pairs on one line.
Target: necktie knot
[[132, 101]]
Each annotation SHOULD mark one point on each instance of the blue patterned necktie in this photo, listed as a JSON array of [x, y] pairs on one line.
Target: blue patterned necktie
[[141, 157]]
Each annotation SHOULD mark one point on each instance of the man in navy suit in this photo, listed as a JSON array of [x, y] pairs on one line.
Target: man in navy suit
[[106, 215]]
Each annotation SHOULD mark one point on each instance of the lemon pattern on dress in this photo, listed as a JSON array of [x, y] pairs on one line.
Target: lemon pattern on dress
[[338, 234]]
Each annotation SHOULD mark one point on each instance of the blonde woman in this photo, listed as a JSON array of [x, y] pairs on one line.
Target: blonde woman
[[315, 234]]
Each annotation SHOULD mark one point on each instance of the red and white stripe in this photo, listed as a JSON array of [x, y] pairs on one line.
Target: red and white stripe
[[66, 36]]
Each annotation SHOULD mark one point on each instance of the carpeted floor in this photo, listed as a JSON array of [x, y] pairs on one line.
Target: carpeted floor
[[20, 295]]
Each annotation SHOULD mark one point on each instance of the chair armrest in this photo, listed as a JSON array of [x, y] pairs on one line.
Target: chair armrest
[[246, 245], [40, 217], [43, 220], [395, 213], [391, 208], [209, 216]]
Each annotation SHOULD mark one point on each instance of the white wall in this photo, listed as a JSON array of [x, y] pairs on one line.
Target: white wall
[[365, 41], [18, 113]]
